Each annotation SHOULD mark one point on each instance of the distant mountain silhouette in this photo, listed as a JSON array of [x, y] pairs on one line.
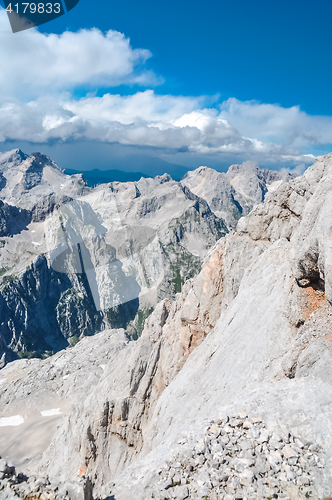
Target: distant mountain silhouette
[[151, 166], [96, 176], [131, 168]]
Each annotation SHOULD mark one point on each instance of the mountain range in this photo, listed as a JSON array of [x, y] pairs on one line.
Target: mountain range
[[225, 395], [76, 260]]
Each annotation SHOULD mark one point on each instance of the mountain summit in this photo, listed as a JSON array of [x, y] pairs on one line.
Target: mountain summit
[[233, 194]]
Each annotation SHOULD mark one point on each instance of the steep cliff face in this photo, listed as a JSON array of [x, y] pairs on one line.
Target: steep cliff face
[[63, 300], [6, 354], [13, 220], [249, 338]]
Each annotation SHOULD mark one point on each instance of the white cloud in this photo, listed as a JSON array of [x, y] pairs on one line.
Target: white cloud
[[170, 122], [272, 123], [143, 119], [39, 71], [33, 63]]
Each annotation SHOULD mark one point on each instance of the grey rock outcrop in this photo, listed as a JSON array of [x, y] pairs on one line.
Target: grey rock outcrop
[[13, 220], [16, 486], [35, 183], [233, 194]]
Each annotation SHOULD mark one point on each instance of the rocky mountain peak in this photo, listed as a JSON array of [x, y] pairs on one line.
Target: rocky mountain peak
[[202, 170], [13, 157], [234, 193], [163, 178], [40, 161], [243, 168], [27, 181], [15, 161], [33, 169]]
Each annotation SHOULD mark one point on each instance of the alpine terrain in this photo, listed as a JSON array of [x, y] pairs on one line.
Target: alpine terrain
[[75, 260], [227, 392]]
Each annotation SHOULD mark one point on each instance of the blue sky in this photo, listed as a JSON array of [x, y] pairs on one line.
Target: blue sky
[[187, 82], [268, 51]]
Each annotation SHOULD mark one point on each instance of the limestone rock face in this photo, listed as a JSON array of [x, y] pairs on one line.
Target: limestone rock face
[[148, 366], [269, 352], [234, 375], [110, 253], [312, 249], [76, 260], [12, 220], [7, 355], [233, 194], [267, 341], [35, 183]]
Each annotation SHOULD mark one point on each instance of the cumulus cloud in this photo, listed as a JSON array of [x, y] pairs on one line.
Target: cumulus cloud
[[272, 123], [142, 119], [40, 71], [173, 123], [32, 62]]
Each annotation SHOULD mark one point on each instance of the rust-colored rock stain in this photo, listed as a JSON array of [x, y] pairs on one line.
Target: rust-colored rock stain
[[313, 300]]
